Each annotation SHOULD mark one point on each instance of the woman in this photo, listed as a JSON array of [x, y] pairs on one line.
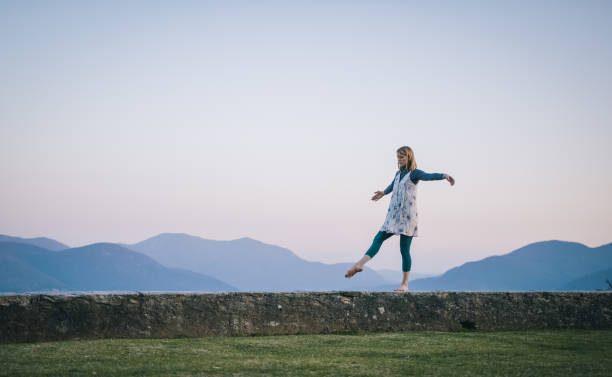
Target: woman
[[402, 214]]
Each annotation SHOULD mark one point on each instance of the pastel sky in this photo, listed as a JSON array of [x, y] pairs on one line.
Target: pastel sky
[[277, 120]]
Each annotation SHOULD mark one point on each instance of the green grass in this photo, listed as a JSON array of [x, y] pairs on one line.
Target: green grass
[[512, 353]]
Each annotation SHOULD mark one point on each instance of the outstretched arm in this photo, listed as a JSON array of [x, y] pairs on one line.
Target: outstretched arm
[[380, 194], [420, 175], [389, 188]]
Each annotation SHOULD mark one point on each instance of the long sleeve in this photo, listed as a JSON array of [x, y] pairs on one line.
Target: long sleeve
[[420, 175], [390, 187]]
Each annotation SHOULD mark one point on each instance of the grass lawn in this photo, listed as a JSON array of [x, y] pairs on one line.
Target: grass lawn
[[508, 353]]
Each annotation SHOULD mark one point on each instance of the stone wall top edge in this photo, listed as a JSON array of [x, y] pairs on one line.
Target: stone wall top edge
[[308, 293]]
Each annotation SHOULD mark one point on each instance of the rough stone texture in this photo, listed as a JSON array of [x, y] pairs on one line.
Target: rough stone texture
[[28, 318]]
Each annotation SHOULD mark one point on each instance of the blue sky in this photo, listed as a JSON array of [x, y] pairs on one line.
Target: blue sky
[[278, 120]]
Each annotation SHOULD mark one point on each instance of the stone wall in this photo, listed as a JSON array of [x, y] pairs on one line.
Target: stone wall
[[26, 318]]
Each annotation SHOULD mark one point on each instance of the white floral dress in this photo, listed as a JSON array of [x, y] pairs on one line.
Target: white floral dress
[[402, 216]]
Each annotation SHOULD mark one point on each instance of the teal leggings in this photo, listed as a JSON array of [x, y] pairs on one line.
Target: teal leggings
[[405, 242]]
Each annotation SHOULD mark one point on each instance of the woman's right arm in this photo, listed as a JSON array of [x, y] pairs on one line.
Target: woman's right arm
[[389, 188], [380, 194]]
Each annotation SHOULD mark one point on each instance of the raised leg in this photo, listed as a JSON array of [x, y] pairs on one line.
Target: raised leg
[[376, 243]]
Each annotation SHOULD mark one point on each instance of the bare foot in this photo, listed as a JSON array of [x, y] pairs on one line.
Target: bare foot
[[402, 288], [355, 269]]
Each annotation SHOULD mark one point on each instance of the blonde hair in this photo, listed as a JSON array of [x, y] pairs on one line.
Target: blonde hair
[[407, 151]]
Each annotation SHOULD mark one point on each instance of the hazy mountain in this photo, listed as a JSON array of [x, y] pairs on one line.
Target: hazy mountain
[[591, 282], [96, 267], [395, 276], [45, 243], [180, 262], [251, 265], [19, 271], [548, 265]]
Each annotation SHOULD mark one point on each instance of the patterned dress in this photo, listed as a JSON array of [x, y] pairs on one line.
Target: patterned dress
[[402, 216]]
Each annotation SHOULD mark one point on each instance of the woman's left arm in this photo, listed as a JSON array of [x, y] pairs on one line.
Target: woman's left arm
[[420, 175]]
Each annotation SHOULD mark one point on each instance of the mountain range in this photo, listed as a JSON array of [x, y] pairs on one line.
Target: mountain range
[[541, 266], [181, 262], [96, 267], [251, 265]]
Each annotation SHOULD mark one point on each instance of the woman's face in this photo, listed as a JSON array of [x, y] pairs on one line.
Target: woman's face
[[401, 160]]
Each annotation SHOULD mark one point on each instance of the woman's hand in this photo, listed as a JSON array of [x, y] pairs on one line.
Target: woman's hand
[[450, 179], [378, 195]]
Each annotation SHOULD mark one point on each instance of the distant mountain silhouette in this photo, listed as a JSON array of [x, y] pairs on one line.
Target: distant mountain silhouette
[[395, 276], [541, 266], [45, 243], [96, 267], [19, 271], [180, 262], [591, 282], [251, 265]]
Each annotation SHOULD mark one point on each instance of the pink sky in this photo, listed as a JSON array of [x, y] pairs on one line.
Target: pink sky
[[278, 122]]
